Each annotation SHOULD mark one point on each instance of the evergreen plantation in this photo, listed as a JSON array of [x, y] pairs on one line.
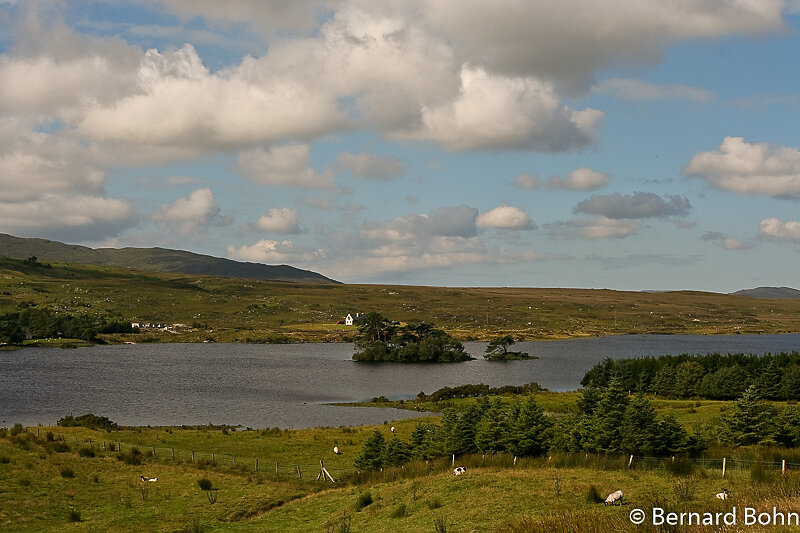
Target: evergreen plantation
[[712, 376]]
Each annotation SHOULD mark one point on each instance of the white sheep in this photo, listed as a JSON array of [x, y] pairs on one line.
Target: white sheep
[[150, 479], [336, 450], [459, 470], [722, 495], [614, 498], [392, 430]]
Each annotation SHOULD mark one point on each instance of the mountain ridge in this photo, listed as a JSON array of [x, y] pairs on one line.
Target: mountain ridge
[[769, 292], [154, 259]]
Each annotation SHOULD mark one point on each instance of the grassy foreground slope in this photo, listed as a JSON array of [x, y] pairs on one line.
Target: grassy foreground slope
[[228, 309], [54, 483]]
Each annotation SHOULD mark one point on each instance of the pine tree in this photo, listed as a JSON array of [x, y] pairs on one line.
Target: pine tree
[[492, 431], [396, 452], [748, 421], [639, 427], [608, 417], [530, 429], [372, 454]]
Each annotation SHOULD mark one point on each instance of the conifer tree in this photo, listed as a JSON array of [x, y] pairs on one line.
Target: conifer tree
[[372, 454]]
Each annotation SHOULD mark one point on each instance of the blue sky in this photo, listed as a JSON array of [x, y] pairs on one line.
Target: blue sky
[[651, 144]]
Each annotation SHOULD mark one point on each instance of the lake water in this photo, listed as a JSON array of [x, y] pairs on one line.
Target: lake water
[[288, 385]]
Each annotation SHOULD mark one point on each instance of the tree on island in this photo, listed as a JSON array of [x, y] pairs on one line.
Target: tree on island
[[497, 350], [380, 339]]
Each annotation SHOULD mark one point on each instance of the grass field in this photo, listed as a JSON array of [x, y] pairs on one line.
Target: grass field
[[238, 310], [58, 485]]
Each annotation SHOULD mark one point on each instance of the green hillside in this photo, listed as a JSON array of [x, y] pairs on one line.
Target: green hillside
[[155, 259], [249, 310]]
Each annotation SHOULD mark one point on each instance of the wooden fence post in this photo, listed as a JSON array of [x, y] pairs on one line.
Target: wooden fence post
[[630, 461], [724, 463], [256, 464], [783, 467], [173, 455], [154, 451]]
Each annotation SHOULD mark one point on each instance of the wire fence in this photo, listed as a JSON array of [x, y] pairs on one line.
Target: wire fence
[[306, 471], [274, 470]]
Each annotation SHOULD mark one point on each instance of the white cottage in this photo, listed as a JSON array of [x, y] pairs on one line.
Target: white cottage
[[352, 318]]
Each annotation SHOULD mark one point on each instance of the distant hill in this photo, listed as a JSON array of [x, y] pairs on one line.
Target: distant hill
[[769, 292], [154, 259]]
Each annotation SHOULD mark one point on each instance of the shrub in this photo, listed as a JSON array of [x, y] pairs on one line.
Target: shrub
[[74, 515], [49, 437], [86, 452], [434, 503], [17, 430], [440, 524], [67, 472], [684, 490], [681, 466], [60, 447], [364, 499], [593, 496], [399, 511], [204, 484]]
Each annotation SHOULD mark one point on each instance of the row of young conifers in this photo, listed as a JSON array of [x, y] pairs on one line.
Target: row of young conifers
[[608, 418]]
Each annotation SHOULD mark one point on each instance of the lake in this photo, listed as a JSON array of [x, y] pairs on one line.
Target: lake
[[288, 385]]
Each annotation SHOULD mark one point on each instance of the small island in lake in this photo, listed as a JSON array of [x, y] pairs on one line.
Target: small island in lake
[[497, 350], [380, 339]]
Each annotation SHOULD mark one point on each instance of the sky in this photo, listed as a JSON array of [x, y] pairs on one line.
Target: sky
[[632, 145]]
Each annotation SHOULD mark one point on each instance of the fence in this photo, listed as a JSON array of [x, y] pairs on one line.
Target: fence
[[269, 469], [280, 471]]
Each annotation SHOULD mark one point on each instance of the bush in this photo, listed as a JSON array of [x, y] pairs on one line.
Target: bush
[[17, 430], [74, 515], [681, 466], [364, 499], [593, 496], [434, 503], [86, 452], [49, 437], [204, 484], [399, 511], [60, 447], [67, 472]]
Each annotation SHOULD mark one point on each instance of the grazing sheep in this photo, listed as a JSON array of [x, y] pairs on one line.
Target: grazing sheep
[[722, 495], [392, 430], [149, 479], [459, 470], [336, 450], [615, 498]]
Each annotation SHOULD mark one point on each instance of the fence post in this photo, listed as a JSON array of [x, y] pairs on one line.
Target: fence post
[[173, 455], [299, 473], [515, 460], [256, 464], [213, 460], [783, 467], [154, 452], [277, 476], [454, 459], [630, 461], [234, 461], [192, 456], [724, 463]]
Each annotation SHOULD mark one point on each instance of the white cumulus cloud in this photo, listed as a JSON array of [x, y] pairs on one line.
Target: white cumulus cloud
[[189, 216], [505, 217], [283, 220], [275, 252], [582, 179], [776, 229], [286, 166], [750, 168]]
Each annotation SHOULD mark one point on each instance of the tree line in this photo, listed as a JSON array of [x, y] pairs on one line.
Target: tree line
[[713, 376], [380, 339], [605, 420], [34, 323]]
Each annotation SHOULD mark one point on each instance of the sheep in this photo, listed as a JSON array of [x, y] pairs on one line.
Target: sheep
[[614, 498], [149, 479], [336, 450], [459, 470], [392, 430], [723, 495]]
